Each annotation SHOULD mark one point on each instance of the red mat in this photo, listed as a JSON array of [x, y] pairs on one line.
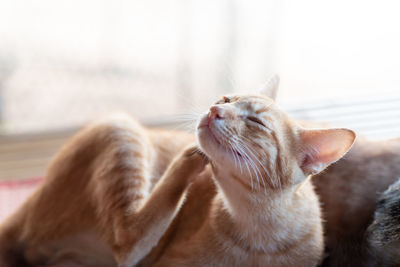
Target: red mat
[[14, 193]]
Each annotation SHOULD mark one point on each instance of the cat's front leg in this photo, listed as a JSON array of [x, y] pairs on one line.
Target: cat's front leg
[[151, 221]]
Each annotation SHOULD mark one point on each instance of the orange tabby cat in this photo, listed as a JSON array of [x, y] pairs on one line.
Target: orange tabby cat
[[103, 203]]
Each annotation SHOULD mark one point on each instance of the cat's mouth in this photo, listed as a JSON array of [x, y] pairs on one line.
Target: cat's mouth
[[207, 130]]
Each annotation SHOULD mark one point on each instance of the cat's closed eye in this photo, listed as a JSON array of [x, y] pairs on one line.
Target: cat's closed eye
[[255, 120]]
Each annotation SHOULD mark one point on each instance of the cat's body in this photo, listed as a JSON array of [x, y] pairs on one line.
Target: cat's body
[[102, 195]]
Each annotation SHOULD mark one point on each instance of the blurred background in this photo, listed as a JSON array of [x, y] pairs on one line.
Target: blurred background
[[65, 63]]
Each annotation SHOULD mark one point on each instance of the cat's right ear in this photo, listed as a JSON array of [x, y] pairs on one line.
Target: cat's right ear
[[270, 88], [321, 147]]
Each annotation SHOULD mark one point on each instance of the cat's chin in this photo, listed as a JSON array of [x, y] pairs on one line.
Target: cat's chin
[[207, 141], [212, 147]]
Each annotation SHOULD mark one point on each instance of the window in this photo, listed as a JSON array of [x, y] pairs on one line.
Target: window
[[65, 63]]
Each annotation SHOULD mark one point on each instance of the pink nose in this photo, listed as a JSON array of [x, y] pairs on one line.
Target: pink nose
[[216, 113]]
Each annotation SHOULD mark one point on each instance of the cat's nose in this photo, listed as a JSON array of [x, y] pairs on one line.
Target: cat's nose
[[216, 113]]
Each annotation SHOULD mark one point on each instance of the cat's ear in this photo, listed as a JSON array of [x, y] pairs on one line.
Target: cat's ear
[[270, 88], [322, 147]]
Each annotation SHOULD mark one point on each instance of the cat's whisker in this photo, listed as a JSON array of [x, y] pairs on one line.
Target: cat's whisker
[[257, 165], [267, 173], [254, 165], [253, 153], [237, 160], [248, 161], [186, 121], [234, 156], [241, 169], [193, 116], [234, 147], [245, 162], [229, 138], [247, 158], [186, 127]]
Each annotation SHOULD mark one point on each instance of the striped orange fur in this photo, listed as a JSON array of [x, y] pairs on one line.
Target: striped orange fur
[[114, 196]]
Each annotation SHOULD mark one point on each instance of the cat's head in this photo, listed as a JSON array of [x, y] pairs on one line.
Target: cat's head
[[251, 138]]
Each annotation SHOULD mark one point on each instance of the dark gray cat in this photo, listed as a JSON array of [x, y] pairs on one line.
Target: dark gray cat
[[384, 232]]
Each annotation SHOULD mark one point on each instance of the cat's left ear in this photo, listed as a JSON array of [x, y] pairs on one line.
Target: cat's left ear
[[321, 147], [270, 88]]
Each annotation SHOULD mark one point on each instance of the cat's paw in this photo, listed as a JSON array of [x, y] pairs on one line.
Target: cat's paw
[[192, 157], [193, 151]]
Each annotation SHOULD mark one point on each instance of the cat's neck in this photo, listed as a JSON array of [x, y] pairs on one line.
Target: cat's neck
[[256, 218], [238, 195]]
